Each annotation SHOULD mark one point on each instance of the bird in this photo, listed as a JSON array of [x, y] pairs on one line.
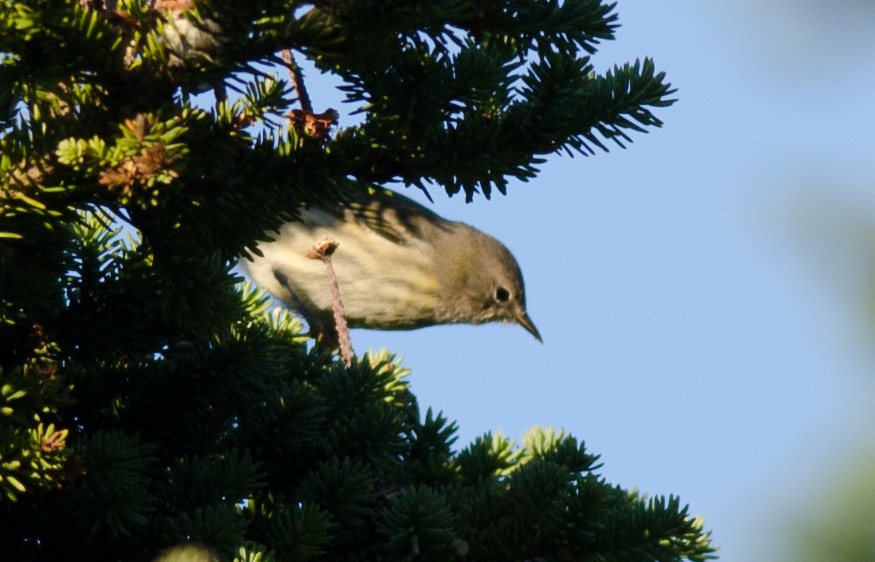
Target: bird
[[398, 266]]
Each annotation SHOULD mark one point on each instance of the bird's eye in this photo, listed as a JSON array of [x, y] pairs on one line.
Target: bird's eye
[[502, 294]]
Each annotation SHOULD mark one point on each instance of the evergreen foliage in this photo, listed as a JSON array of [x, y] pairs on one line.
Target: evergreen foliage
[[149, 399]]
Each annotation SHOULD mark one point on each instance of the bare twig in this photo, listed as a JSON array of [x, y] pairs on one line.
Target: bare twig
[[322, 250], [303, 121], [297, 78]]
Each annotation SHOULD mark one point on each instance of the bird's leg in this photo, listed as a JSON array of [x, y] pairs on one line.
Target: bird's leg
[[324, 335]]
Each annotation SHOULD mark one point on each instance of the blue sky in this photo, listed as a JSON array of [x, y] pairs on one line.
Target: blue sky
[[701, 321]]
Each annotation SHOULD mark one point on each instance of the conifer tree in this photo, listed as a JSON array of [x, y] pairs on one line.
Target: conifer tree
[[150, 399]]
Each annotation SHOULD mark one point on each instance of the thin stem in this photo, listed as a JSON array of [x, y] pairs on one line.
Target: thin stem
[[297, 78], [322, 250]]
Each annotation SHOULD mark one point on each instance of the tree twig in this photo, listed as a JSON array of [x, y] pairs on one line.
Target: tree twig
[[322, 250], [297, 78]]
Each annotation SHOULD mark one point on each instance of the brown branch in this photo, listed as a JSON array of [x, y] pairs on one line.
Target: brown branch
[[304, 122], [322, 250], [297, 78]]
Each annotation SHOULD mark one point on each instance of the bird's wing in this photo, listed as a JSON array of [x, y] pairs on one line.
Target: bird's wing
[[387, 214]]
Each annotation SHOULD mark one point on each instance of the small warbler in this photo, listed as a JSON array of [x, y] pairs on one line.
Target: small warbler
[[398, 265]]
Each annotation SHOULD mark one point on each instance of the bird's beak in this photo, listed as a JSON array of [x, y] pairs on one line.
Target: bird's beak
[[523, 320]]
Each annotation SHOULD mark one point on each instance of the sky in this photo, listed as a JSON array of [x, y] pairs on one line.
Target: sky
[[699, 292]]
